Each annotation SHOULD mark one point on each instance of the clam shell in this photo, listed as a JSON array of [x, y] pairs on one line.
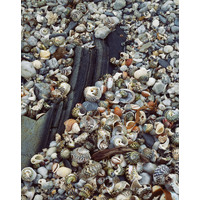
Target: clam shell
[[63, 171]]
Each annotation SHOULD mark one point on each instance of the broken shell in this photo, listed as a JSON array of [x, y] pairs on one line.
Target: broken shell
[[165, 145], [132, 157], [172, 115], [131, 173], [92, 93], [142, 117], [45, 54], [119, 141], [159, 128], [68, 124], [80, 155], [63, 171], [64, 88], [129, 126], [36, 159], [59, 40], [88, 124], [118, 111], [81, 138], [119, 187], [141, 72], [28, 174]]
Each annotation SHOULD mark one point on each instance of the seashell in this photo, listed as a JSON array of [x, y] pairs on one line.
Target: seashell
[[160, 174], [142, 117], [132, 157], [147, 128], [44, 32], [117, 159], [172, 115], [151, 81], [69, 124], [28, 192], [55, 167], [101, 109], [36, 159], [88, 124], [119, 141], [63, 171], [64, 88], [128, 62], [134, 145], [103, 139], [119, 187], [92, 93], [110, 96], [90, 26], [165, 145], [90, 170], [168, 132], [118, 111], [147, 153], [125, 195], [159, 128], [145, 93], [80, 28], [45, 54], [28, 174], [59, 40], [127, 96], [71, 178], [175, 153], [38, 106], [131, 173], [76, 15], [129, 126], [144, 192], [81, 7], [172, 182], [162, 139], [51, 17], [175, 138], [112, 120], [129, 116], [80, 155], [81, 138], [141, 72]]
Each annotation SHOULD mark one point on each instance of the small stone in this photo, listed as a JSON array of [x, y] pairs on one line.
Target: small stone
[[141, 72], [43, 71], [151, 81], [155, 23], [119, 4], [162, 19], [44, 54], [27, 69], [159, 87], [166, 5], [53, 63], [174, 29], [163, 63], [149, 167], [43, 171], [167, 102], [29, 84], [149, 139], [38, 197], [141, 29], [53, 49], [32, 41], [123, 68], [89, 106], [176, 2], [102, 32], [168, 49], [42, 91], [80, 28], [145, 47], [146, 178], [37, 64], [50, 151]]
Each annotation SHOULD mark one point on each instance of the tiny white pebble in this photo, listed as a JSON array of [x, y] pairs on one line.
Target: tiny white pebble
[[155, 23]]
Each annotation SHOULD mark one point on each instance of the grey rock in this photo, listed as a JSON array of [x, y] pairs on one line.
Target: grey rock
[[162, 19], [32, 41], [89, 106], [141, 29], [166, 79], [119, 4], [27, 69], [145, 47], [159, 87], [163, 63], [110, 14], [139, 103], [146, 178], [102, 32], [52, 49], [71, 25], [174, 29], [43, 71], [52, 63], [61, 191], [176, 22], [149, 167], [42, 90], [149, 139], [29, 84], [166, 5], [38, 197]]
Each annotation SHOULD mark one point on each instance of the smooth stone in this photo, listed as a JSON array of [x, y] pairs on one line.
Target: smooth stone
[[166, 5], [29, 84], [63, 171], [102, 32], [123, 68], [149, 139], [61, 191], [53, 144], [166, 79], [42, 91], [27, 69], [43, 171], [37, 64], [167, 102], [149, 167], [162, 19], [119, 4], [38, 197], [145, 47], [159, 87], [146, 178], [80, 28], [141, 29], [32, 41], [168, 49], [151, 81], [110, 14], [89, 106], [53, 49], [50, 151], [53, 63], [163, 63], [174, 29], [176, 22], [43, 71], [141, 72], [155, 23]]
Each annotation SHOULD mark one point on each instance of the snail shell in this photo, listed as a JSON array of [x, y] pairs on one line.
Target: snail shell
[[92, 93], [28, 174], [132, 157], [131, 173], [119, 141], [80, 155]]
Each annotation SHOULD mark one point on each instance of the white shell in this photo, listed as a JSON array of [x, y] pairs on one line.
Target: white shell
[[28, 174], [37, 64], [63, 171], [65, 88], [159, 128], [151, 81], [141, 72], [43, 171], [119, 141], [142, 117], [80, 28], [75, 128], [92, 93], [36, 159]]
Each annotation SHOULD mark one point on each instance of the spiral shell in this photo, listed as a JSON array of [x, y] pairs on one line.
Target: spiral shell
[[175, 139], [172, 115], [76, 15], [147, 153], [103, 139], [64, 88], [160, 173], [59, 40], [132, 157], [135, 145], [44, 32], [88, 124], [71, 126], [28, 174], [71, 178], [80, 155], [119, 141], [92, 93]]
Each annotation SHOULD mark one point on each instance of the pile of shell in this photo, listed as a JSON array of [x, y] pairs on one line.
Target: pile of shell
[[124, 143]]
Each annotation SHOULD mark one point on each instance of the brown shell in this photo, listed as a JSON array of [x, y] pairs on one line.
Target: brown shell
[[118, 111], [68, 124]]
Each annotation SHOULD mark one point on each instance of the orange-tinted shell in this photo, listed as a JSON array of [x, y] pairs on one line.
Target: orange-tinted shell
[[130, 124], [145, 93], [128, 62], [136, 128], [118, 111], [68, 124]]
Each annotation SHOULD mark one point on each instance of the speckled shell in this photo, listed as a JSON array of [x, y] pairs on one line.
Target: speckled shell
[[90, 170], [172, 115], [160, 173], [147, 152], [132, 157], [28, 174], [80, 155], [92, 93], [135, 145], [76, 15], [131, 173]]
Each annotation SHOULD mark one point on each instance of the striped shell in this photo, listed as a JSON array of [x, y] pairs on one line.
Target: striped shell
[[90, 170], [131, 173], [132, 157], [135, 145], [80, 155], [160, 173], [92, 93]]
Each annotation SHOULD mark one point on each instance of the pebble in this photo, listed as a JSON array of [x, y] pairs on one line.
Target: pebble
[[53, 49], [168, 49], [52, 63], [89, 106], [42, 91], [102, 32], [162, 19], [80, 28], [141, 29], [151, 81], [167, 102], [27, 70], [38, 197], [159, 87], [149, 167], [146, 178], [32, 41], [45, 54], [50, 151], [145, 47], [37, 64], [149, 139], [166, 5], [123, 68], [155, 23], [43, 71], [29, 84], [119, 4], [174, 29], [163, 63], [43, 171]]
